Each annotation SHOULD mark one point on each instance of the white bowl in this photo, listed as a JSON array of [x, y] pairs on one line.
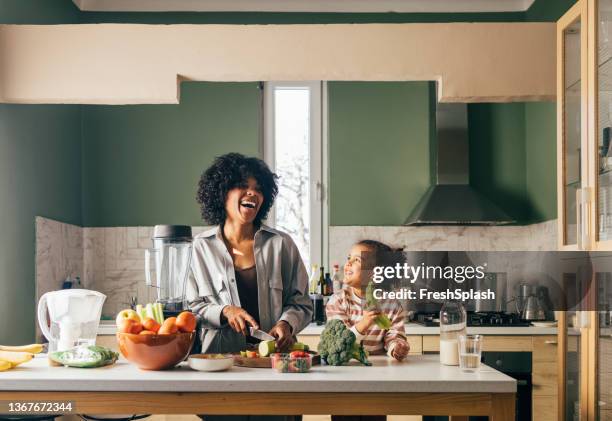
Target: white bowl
[[211, 362]]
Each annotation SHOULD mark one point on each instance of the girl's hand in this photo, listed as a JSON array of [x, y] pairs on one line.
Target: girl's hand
[[238, 318], [366, 321], [400, 350]]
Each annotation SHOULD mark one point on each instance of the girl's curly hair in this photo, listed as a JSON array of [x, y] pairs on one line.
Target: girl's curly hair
[[229, 171]]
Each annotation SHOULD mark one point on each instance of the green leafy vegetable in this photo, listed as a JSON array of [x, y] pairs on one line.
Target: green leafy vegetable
[[85, 357], [338, 345]]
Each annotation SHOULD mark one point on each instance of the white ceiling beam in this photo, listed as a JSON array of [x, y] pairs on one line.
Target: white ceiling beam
[[333, 6]]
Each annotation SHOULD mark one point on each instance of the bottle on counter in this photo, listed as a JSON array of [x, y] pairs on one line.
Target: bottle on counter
[[329, 286], [318, 306], [453, 322], [336, 278], [321, 289], [313, 282]]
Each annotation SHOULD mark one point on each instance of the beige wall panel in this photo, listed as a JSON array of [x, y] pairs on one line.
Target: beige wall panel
[[131, 63]]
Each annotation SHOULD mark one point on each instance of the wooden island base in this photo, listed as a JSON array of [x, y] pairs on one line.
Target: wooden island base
[[498, 406]]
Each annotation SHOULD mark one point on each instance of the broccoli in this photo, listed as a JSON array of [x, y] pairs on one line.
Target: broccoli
[[382, 320], [338, 345]]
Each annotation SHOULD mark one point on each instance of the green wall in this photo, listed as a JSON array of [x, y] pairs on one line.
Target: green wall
[[380, 153], [541, 162], [141, 163], [548, 10], [38, 12], [497, 155], [39, 175], [513, 157], [379, 150]]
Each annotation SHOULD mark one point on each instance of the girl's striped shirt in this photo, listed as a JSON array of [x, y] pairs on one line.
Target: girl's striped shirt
[[345, 305]]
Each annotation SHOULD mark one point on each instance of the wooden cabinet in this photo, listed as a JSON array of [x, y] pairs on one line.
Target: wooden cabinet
[[584, 126], [544, 363], [544, 377]]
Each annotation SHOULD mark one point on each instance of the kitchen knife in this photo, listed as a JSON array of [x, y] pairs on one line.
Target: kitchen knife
[[260, 334]]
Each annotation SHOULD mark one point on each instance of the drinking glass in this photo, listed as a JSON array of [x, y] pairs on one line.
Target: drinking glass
[[470, 351]]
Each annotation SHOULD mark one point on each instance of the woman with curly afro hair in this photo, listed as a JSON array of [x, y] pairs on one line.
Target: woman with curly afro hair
[[244, 273]]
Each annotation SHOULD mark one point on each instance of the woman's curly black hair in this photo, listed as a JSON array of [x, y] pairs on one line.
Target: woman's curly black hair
[[229, 171]]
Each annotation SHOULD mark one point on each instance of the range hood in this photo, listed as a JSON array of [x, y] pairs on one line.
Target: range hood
[[451, 200]]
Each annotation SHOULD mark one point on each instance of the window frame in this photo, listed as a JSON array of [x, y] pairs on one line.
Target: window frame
[[317, 159]]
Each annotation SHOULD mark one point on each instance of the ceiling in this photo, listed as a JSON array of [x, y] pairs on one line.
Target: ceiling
[[338, 6]]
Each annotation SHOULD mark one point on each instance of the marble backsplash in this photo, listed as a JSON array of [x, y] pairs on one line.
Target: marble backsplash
[[111, 260]]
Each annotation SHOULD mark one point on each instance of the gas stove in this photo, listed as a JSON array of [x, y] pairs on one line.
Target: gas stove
[[474, 319]]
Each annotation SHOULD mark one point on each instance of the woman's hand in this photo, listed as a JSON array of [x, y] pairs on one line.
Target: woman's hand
[[400, 350], [238, 318], [282, 332], [366, 321]]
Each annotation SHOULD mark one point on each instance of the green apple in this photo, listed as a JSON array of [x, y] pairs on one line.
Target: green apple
[[127, 314]]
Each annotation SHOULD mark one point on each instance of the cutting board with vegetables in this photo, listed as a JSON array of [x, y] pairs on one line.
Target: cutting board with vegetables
[[266, 362]]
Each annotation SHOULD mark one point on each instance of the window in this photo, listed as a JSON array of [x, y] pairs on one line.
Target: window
[[293, 147]]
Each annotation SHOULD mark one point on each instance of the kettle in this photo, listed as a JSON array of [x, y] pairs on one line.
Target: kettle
[[532, 310], [73, 317]]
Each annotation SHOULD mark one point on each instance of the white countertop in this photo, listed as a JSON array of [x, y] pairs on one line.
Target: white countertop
[[108, 328], [419, 374]]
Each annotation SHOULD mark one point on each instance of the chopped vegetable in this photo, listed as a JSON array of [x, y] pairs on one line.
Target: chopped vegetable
[[252, 354], [150, 312], [339, 345], [142, 313], [266, 348], [85, 357], [159, 309], [382, 320], [299, 346]]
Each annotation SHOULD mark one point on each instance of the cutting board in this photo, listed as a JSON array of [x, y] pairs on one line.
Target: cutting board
[[266, 362]]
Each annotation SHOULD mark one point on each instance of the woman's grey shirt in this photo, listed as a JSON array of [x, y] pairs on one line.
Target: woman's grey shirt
[[281, 279]]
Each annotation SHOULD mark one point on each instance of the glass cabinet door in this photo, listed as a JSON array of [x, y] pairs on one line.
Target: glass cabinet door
[[602, 154], [572, 109]]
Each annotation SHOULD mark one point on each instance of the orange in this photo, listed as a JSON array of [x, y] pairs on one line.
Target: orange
[[168, 327], [186, 322], [147, 332]]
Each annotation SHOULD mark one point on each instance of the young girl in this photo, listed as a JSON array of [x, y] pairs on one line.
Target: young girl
[[348, 305]]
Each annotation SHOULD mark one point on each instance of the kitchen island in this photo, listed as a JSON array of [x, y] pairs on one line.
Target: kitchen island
[[420, 386]]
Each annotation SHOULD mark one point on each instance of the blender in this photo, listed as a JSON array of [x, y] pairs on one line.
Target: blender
[[167, 266], [73, 317]]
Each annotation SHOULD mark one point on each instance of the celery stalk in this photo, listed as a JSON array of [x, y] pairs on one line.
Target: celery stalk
[[160, 312], [150, 312], [141, 312]]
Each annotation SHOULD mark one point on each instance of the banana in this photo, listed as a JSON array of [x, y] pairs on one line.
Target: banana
[[15, 358], [33, 348], [5, 365]]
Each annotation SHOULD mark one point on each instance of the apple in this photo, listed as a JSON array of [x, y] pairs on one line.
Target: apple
[[127, 314], [130, 326]]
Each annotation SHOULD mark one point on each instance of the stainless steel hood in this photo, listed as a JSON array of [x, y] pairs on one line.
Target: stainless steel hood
[[451, 200]]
